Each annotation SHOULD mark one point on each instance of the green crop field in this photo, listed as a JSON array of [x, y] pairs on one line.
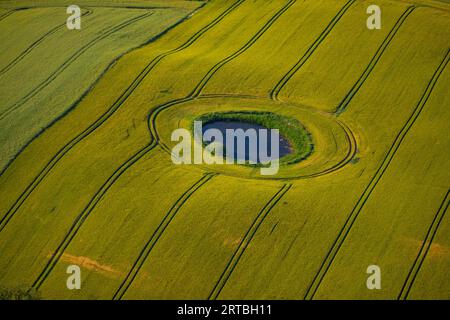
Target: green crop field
[[87, 176]]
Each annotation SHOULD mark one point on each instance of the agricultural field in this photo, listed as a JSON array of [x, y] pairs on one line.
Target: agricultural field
[[87, 171]]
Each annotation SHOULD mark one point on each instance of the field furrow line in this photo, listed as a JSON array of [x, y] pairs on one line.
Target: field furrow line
[[234, 260], [24, 53], [414, 271], [373, 62], [104, 34], [142, 257], [374, 181], [124, 96], [280, 85], [196, 92], [85, 213], [6, 14]]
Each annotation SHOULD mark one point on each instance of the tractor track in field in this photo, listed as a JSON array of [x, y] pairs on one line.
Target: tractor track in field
[[234, 260], [350, 136], [274, 94], [374, 61], [431, 233], [127, 164], [103, 35], [24, 53], [329, 258], [123, 97], [145, 252], [51, 263]]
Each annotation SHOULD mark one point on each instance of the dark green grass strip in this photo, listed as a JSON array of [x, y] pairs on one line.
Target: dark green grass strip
[[103, 35], [326, 263], [414, 271], [81, 218], [373, 62], [234, 260], [280, 85], [124, 96], [36, 43], [142, 257]]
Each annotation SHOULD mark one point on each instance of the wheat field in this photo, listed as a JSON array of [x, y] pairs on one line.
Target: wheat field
[[85, 138]]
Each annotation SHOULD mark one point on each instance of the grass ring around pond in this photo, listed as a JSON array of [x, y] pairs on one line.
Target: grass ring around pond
[[299, 141], [321, 143]]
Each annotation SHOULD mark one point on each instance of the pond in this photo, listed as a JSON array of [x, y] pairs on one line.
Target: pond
[[284, 145]]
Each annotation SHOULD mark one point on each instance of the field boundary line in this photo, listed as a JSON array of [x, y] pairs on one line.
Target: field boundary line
[[275, 92], [30, 48], [431, 233], [123, 97], [374, 61], [103, 35], [145, 252], [326, 263], [234, 260], [81, 218]]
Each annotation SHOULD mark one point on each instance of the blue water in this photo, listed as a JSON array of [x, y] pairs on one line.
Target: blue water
[[284, 146]]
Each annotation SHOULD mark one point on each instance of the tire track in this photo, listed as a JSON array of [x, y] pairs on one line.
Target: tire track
[[85, 213], [24, 53], [6, 14], [373, 62], [234, 260], [143, 255], [414, 271], [201, 85], [104, 34], [124, 96], [374, 181], [274, 94], [351, 152]]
